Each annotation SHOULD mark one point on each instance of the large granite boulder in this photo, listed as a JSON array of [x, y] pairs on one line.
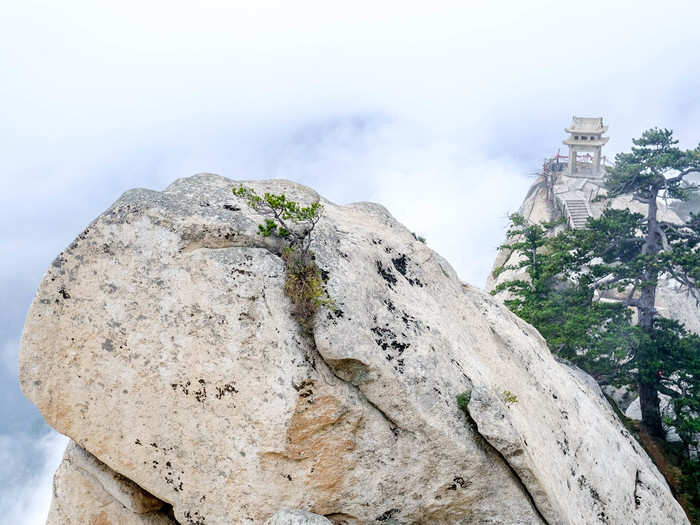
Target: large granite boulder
[[161, 342]]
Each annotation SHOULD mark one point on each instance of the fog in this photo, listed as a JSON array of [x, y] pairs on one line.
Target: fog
[[441, 113]]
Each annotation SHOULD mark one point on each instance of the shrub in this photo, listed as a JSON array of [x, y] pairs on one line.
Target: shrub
[[304, 286], [293, 224], [285, 219], [418, 237], [509, 398], [463, 400]]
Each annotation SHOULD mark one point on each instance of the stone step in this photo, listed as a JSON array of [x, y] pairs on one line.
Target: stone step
[[578, 213]]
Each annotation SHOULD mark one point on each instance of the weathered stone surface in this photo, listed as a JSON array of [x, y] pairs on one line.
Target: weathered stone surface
[[88, 492], [297, 517], [622, 396], [161, 342]]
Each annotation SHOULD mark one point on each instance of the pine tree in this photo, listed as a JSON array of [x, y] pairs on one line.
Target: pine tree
[[557, 299], [638, 250], [627, 252]]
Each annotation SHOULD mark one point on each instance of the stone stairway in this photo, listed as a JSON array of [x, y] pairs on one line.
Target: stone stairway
[[577, 212]]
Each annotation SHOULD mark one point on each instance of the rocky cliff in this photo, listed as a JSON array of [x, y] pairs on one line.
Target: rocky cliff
[[547, 200], [161, 342]]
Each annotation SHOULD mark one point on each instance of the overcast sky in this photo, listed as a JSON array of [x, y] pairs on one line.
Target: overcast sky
[[438, 110]]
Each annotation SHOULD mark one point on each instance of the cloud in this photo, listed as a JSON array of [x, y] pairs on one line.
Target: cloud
[[28, 463], [8, 356], [105, 73], [452, 193]]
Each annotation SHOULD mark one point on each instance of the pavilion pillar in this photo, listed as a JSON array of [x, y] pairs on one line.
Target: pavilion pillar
[[596, 160], [572, 159]]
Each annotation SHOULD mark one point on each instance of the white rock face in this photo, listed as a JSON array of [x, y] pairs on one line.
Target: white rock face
[[622, 396], [161, 342], [297, 517], [87, 491]]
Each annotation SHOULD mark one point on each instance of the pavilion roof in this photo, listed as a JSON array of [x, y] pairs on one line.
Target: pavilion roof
[[587, 125]]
